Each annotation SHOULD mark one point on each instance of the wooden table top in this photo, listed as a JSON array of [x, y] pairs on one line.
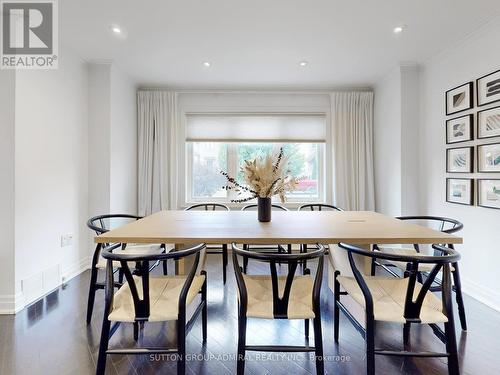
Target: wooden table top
[[217, 227]]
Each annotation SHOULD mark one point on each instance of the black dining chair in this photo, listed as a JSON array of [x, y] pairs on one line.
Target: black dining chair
[[222, 249], [101, 224], [146, 298], [274, 296], [316, 207], [442, 224], [264, 248], [402, 300]]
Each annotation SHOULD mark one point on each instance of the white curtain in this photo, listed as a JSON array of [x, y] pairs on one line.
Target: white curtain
[[157, 169], [352, 140]]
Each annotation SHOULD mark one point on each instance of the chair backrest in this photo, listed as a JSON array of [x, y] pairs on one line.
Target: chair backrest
[[319, 207], [207, 207], [413, 305], [102, 223], [280, 303], [274, 207], [142, 306], [443, 224]]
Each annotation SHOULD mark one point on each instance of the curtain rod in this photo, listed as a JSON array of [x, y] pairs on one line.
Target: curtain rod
[[272, 92]]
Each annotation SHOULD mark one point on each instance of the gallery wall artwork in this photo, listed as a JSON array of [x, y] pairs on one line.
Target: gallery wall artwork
[[459, 160], [460, 129], [488, 123], [488, 158], [459, 99], [488, 193], [460, 190], [488, 88]]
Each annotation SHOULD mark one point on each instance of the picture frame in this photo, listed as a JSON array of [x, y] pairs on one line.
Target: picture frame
[[459, 99], [488, 158], [460, 191], [460, 160], [488, 193], [460, 129], [488, 123], [488, 89]]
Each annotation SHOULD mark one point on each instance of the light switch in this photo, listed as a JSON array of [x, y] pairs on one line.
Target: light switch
[[66, 239]]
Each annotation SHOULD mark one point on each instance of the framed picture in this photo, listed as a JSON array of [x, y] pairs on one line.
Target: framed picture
[[488, 193], [488, 88], [459, 129], [459, 160], [459, 99], [488, 158], [488, 123], [459, 190]]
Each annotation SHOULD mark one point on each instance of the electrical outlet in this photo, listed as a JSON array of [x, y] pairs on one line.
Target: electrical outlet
[[66, 239]]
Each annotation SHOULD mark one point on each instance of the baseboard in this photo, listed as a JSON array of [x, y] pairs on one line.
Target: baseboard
[[486, 296], [75, 269], [11, 304]]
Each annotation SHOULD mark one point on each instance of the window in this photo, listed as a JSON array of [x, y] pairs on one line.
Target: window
[[233, 139]]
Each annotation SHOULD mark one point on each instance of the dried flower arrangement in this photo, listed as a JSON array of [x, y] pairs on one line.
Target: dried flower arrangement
[[264, 178]]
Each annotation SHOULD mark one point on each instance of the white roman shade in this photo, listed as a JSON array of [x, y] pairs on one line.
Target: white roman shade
[[256, 127]]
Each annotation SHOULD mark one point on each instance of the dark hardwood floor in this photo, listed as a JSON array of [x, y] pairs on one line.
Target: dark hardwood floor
[[51, 337]]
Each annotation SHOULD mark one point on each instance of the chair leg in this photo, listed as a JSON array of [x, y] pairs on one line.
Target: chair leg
[[136, 331], [451, 347], [245, 264], [181, 345], [406, 334], [289, 251], [304, 262], [245, 259], [92, 290], [103, 347], [458, 295], [370, 346], [165, 268], [336, 309], [306, 328], [242, 332], [373, 267], [224, 263], [205, 309], [120, 276], [318, 344]]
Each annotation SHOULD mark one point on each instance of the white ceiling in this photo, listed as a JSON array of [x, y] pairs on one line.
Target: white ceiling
[[259, 43]]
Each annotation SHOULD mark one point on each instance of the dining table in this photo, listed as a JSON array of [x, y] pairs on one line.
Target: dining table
[[182, 228]]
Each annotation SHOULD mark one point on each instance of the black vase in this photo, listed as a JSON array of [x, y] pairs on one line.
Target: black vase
[[264, 209]]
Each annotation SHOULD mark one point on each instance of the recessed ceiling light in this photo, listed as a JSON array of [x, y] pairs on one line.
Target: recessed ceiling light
[[303, 63], [116, 30], [398, 29], [207, 64]]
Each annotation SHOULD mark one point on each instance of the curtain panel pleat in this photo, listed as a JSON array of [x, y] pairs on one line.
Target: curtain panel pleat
[[352, 141], [157, 169]]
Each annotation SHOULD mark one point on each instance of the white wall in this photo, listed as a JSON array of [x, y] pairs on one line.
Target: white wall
[[112, 141], [387, 143], [396, 141], [50, 174], [123, 144], [7, 193], [475, 57], [67, 150], [99, 135], [410, 120]]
